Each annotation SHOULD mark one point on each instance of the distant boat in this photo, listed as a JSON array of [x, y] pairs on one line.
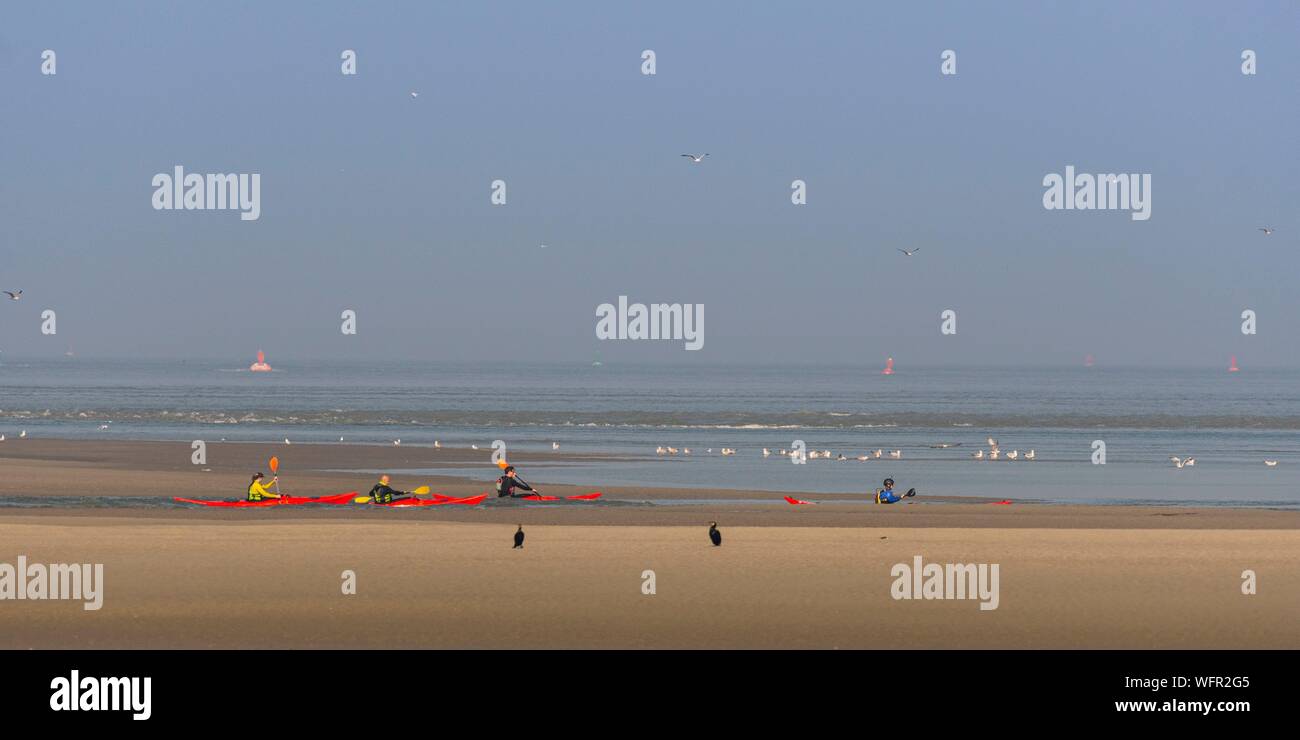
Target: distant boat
[[260, 366], [889, 367], [1232, 367]]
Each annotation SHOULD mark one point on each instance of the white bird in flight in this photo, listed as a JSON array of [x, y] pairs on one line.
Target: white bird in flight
[[909, 253], [14, 296], [415, 94], [696, 158], [1266, 230], [1269, 463]]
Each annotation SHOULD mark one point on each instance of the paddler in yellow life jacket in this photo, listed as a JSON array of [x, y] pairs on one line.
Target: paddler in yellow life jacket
[[382, 493], [257, 492]]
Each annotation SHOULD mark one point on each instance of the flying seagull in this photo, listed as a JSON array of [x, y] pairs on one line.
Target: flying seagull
[[14, 296], [696, 158], [909, 254], [415, 94], [1264, 229]]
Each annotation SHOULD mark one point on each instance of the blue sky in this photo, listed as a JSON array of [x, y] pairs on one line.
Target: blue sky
[[378, 202]]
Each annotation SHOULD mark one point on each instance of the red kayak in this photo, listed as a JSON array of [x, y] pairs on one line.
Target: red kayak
[[338, 498], [798, 502], [439, 501], [580, 497]]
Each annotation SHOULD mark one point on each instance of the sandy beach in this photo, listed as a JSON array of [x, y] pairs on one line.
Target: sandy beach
[[785, 577]]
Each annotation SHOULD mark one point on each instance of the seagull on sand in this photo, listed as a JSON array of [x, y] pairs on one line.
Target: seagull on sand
[[696, 158], [555, 445], [896, 454], [909, 253], [660, 450], [397, 443], [978, 455], [14, 296], [1030, 455], [286, 441]]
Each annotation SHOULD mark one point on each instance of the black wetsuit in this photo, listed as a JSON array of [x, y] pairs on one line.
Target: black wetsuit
[[382, 494], [506, 486]]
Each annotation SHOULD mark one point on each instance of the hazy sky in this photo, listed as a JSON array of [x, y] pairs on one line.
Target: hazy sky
[[379, 202]]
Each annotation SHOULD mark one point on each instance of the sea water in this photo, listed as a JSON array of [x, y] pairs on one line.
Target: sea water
[[1229, 422]]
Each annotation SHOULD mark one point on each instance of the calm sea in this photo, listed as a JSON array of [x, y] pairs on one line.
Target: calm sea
[[1230, 422]]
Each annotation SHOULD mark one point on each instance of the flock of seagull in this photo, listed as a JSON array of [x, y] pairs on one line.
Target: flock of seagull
[[993, 453]]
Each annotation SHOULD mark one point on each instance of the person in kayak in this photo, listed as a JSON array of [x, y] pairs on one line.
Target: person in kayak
[[383, 493], [258, 492], [507, 484], [886, 495]]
